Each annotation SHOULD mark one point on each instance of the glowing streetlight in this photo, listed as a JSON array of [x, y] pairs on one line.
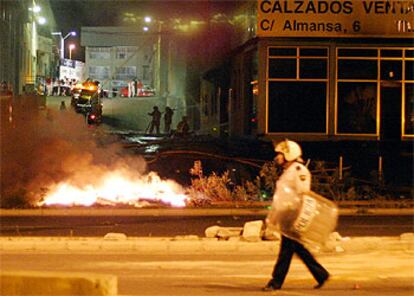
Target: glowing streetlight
[[35, 14], [159, 80], [62, 41], [71, 47], [41, 20], [35, 9]]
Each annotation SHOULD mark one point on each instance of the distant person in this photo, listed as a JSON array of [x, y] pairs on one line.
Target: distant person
[[140, 87], [55, 87], [129, 89], [183, 127], [62, 106], [133, 88], [4, 89], [40, 90], [49, 87], [168, 119], [155, 122]]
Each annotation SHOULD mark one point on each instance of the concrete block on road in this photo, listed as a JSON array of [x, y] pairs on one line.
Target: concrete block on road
[[228, 232], [60, 283], [212, 231], [407, 241], [223, 232], [252, 231], [407, 236], [115, 236]]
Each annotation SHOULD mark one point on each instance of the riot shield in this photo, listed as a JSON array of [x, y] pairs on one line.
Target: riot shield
[[308, 218]]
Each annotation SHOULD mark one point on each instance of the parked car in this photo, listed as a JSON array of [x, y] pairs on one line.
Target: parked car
[[146, 91]]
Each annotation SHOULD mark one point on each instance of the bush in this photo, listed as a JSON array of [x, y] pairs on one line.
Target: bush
[[326, 181], [205, 190]]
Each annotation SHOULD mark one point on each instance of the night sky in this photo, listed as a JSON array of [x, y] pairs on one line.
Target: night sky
[[73, 14]]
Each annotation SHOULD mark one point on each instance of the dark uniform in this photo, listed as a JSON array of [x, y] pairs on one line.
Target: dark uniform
[[155, 122], [168, 119]]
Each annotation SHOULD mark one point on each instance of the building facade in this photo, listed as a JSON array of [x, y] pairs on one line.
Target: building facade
[[116, 55], [26, 50], [334, 75]]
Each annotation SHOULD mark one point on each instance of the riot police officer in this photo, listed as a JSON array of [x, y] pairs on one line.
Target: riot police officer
[[295, 179]]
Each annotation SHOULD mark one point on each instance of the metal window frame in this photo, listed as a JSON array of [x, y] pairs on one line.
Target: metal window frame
[[378, 81], [298, 57]]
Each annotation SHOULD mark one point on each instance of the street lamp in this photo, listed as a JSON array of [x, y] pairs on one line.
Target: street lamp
[[34, 19], [71, 47], [159, 78], [62, 41], [35, 8]]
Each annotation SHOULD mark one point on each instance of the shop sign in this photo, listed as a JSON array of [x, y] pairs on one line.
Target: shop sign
[[68, 63], [336, 18]]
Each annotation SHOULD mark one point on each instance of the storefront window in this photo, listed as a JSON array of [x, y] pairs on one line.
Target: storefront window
[[357, 52], [313, 52], [366, 77], [391, 70], [282, 68], [357, 94], [357, 69], [297, 107], [282, 51], [313, 68], [409, 93], [297, 90], [357, 105], [392, 53], [409, 109], [409, 70]]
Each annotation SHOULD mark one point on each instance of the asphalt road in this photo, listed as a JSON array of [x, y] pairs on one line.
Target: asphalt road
[[225, 274], [147, 226]]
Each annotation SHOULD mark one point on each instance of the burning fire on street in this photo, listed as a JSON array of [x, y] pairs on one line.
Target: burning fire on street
[[116, 188], [50, 159]]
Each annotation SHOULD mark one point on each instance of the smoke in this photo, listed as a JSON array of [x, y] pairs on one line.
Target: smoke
[[39, 149]]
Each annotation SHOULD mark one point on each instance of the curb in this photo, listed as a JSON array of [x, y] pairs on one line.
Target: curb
[[155, 245], [183, 212], [192, 244]]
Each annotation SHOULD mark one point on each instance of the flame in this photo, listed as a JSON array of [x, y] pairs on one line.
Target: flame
[[116, 188]]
